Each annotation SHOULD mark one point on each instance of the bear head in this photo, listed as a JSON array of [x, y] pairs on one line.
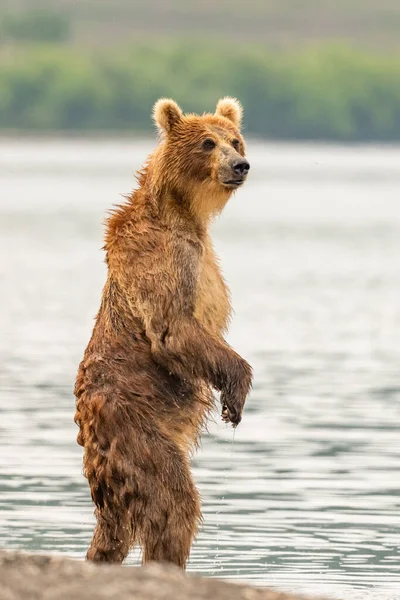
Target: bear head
[[201, 158]]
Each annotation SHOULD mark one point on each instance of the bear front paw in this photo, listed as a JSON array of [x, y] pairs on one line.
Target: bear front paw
[[231, 410], [234, 395]]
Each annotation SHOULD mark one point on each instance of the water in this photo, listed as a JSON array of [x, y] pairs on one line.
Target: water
[[306, 496]]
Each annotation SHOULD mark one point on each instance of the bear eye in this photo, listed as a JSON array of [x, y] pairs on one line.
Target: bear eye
[[208, 144], [236, 144]]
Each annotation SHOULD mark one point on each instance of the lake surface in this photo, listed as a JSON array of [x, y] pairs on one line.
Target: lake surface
[[305, 495]]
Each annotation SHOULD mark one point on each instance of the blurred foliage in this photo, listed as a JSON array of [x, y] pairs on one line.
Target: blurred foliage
[[330, 92], [367, 24], [44, 25]]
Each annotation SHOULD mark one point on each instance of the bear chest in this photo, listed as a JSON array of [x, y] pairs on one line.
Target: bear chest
[[212, 307]]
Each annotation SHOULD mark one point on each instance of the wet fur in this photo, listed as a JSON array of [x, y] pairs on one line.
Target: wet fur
[[144, 387]]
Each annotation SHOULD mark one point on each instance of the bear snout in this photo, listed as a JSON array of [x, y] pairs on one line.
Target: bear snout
[[235, 172], [240, 167]]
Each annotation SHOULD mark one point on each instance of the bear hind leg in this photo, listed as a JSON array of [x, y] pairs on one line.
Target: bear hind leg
[[170, 527], [112, 537]]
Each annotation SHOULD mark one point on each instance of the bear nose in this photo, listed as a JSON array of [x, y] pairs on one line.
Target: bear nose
[[241, 167]]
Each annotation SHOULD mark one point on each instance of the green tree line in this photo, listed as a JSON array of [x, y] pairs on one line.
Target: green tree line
[[329, 92]]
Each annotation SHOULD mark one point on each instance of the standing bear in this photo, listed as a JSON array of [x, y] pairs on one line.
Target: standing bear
[[144, 387]]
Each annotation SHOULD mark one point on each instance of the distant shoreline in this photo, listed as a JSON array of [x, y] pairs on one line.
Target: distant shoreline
[[325, 93], [148, 136]]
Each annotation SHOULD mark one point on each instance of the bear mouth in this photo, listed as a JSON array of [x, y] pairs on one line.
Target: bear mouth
[[233, 182]]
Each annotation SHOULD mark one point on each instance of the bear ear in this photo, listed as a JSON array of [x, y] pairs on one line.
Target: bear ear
[[166, 113], [231, 109]]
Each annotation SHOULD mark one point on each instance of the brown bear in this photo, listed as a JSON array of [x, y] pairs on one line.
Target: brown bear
[[144, 387]]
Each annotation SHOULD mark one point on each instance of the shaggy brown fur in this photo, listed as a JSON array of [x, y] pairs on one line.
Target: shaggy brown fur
[[144, 386]]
